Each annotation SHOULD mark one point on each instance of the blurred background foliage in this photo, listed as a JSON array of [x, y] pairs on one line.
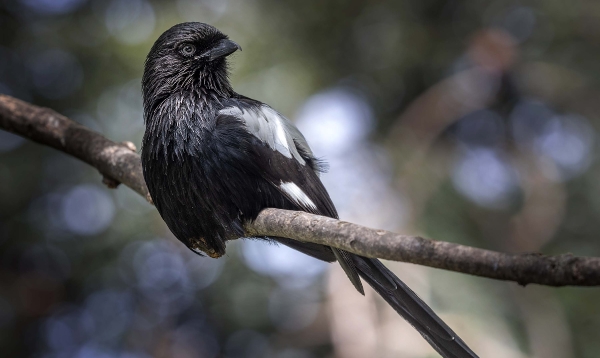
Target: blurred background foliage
[[467, 121]]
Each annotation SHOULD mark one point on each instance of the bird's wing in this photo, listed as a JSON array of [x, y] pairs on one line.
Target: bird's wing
[[273, 130], [289, 165], [285, 158]]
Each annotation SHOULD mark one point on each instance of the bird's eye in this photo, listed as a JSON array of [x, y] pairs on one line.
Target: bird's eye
[[187, 50]]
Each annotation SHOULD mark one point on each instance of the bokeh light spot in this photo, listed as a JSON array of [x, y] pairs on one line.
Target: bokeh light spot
[[130, 21], [87, 210], [53, 6], [485, 178], [288, 266]]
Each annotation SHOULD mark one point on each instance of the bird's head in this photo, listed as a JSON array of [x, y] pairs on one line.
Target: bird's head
[[188, 56]]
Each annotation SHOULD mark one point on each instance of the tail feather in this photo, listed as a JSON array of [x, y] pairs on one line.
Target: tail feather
[[344, 258], [412, 308]]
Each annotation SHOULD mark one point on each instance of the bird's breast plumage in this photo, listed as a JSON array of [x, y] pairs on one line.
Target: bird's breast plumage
[[184, 173]]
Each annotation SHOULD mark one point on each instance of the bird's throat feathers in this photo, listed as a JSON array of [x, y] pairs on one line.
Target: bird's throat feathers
[[163, 86]]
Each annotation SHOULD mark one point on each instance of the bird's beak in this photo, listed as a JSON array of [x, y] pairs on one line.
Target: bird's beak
[[223, 48]]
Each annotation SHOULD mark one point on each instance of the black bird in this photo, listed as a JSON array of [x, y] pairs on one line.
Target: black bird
[[213, 159]]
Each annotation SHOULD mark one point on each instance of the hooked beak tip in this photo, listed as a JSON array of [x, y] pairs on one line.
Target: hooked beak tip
[[224, 48]]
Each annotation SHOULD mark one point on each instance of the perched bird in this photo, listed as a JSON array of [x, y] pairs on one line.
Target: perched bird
[[213, 159]]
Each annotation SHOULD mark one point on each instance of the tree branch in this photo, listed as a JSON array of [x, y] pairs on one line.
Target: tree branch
[[560, 270], [119, 163]]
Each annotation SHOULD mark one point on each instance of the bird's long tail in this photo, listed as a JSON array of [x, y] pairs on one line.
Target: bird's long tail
[[412, 308]]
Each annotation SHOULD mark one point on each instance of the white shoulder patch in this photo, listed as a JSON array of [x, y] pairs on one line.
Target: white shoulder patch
[[297, 195], [270, 127], [281, 136], [232, 111]]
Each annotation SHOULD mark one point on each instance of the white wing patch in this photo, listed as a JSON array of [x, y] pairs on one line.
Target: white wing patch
[[281, 137], [296, 194], [270, 127]]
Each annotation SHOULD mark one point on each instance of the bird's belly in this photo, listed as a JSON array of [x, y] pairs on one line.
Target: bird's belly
[[189, 197]]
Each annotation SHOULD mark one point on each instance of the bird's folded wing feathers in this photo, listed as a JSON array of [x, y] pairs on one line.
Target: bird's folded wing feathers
[[271, 128], [289, 164], [293, 176]]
